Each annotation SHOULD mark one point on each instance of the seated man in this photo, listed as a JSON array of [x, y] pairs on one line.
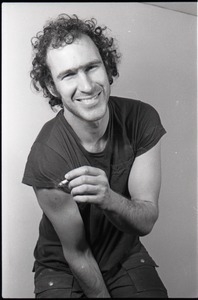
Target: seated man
[[95, 169]]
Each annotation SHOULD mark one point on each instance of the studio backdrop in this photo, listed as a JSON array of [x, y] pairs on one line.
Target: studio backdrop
[[158, 66]]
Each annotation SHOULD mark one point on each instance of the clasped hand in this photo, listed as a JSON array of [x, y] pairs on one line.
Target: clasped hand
[[89, 184]]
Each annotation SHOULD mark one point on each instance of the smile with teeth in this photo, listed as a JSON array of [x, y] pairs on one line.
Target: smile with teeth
[[88, 99]]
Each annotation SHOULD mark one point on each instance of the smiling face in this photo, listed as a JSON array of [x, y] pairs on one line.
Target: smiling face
[[80, 79]]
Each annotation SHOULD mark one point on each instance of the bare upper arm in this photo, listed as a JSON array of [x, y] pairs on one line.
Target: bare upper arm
[[65, 217], [145, 176]]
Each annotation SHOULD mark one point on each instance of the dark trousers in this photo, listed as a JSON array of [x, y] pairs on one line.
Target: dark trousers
[[134, 278]]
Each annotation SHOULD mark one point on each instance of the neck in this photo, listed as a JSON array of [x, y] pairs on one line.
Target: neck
[[92, 135]]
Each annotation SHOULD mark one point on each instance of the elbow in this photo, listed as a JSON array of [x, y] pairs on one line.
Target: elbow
[[146, 230], [149, 224]]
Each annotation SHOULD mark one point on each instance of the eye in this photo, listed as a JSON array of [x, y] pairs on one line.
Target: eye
[[68, 75], [91, 68]]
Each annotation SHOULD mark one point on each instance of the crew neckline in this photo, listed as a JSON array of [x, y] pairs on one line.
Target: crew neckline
[[77, 139]]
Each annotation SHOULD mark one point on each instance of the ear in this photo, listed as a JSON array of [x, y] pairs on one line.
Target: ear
[[52, 89]]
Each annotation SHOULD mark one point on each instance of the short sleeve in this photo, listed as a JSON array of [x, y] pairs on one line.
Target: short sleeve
[[149, 128], [44, 168]]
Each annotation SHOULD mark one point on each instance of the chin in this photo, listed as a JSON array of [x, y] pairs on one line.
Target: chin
[[96, 117]]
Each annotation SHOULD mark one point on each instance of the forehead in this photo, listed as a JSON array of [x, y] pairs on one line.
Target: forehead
[[81, 51]]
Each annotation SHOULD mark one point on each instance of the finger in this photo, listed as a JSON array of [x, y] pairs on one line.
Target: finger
[[84, 179], [84, 170], [86, 199], [85, 190]]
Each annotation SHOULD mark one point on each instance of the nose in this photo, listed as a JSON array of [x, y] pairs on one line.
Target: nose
[[84, 83]]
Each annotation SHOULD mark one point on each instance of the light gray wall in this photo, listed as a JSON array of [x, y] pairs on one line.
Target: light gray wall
[[158, 67]]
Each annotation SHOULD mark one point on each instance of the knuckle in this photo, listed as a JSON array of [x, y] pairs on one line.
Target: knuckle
[[103, 189], [97, 190], [104, 173], [86, 170], [104, 181], [85, 179], [82, 180]]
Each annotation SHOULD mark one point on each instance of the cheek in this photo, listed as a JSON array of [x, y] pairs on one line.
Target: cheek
[[66, 89], [101, 78], [106, 82]]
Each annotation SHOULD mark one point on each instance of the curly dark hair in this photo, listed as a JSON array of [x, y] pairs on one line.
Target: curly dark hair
[[64, 30]]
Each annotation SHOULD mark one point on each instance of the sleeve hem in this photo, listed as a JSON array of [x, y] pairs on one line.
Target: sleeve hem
[[45, 185], [151, 145], [32, 183]]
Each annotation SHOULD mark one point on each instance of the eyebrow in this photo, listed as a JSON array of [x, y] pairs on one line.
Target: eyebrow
[[74, 70]]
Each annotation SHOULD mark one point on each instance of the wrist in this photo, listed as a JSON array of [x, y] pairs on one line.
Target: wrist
[[109, 202]]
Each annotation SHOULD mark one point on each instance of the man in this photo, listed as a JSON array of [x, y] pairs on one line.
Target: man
[[95, 169]]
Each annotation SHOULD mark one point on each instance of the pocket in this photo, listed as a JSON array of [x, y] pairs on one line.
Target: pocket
[[50, 280], [142, 271]]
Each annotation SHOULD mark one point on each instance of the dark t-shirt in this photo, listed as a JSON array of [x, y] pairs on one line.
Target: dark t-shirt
[[134, 127]]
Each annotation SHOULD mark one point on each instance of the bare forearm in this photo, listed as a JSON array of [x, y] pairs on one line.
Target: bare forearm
[[86, 271], [129, 215]]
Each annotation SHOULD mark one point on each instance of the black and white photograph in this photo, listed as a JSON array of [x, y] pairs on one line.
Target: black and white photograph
[[99, 150]]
